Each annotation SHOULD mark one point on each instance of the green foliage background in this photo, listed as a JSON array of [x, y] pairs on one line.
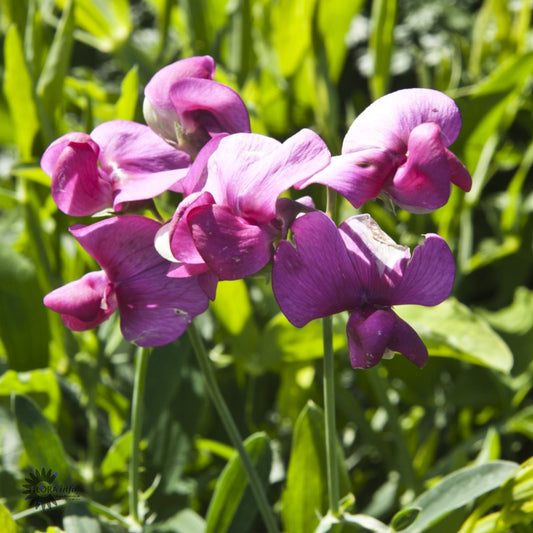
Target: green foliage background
[[65, 397]]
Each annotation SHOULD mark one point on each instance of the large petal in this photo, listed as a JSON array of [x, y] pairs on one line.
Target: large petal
[[231, 246], [84, 303], [263, 171], [377, 259], [315, 278], [156, 309], [387, 123], [139, 164], [422, 183], [122, 246], [358, 176], [429, 276], [78, 188], [374, 332]]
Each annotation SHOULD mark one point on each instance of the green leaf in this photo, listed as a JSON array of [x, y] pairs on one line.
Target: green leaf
[[7, 524], [39, 384], [458, 489], [291, 32], [117, 457], [41, 442], [52, 77], [232, 306], [127, 103], [452, 330], [381, 44], [26, 341], [306, 495], [283, 343], [336, 15], [404, 518], [185, 521], [18, 90], [233, 506]]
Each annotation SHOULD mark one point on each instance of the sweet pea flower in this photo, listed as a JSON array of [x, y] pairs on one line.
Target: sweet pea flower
[[154, 309], [358, 268], [119, 162], [398, 147], [186, 107], [229, 227]]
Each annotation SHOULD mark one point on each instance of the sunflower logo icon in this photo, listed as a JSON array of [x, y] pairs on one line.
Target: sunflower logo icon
[[40, 489]]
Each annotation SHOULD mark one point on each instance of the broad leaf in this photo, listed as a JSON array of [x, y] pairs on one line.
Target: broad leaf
[[452, 330]]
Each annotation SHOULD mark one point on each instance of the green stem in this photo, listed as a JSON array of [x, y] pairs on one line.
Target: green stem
[[141, 364], [329, 410], [231, 429]]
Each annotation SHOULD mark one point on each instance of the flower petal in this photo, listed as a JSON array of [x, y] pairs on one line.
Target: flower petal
[[358, 176], [387, 123], [156, 309], [251, 184], [78, 188], [422, 183], [459, 175], [372, 332], [140, 165], [231, 246], [316, 278], [429, 276], [377, 259], [122, 246], [84, 303]]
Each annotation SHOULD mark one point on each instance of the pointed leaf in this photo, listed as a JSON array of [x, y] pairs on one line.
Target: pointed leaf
[[306, 494], [233, 506], [458, 489], [41, 442]]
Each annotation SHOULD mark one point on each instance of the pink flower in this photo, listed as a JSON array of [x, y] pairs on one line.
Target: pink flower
[[359, 268], [229, 227], [398, 147], [119, 162], [154, 309], [187, 108]]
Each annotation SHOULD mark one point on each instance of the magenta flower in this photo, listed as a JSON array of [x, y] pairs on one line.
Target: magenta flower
[[398, 147], [359, 268], [187, 108], [154, 309], [120, 161], [230, 226]]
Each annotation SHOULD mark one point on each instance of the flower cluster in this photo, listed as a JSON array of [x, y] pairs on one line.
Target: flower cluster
[[233, 221]]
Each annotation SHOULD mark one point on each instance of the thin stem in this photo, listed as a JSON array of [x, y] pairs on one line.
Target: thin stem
[[329, 410], [141, 364], [231, 429]]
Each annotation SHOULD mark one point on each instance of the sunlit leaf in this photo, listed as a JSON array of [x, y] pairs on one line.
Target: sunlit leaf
[[452, 330], [458, 489]]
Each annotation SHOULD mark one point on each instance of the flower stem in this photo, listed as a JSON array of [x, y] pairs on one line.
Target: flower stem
[[139, 382], [231, 429], [329, 410]]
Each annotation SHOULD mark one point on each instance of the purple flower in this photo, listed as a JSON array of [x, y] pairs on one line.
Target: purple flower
[[398, 147], [154, 309], [360, 269], [187, 108], [120, 161], [230, 226]]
